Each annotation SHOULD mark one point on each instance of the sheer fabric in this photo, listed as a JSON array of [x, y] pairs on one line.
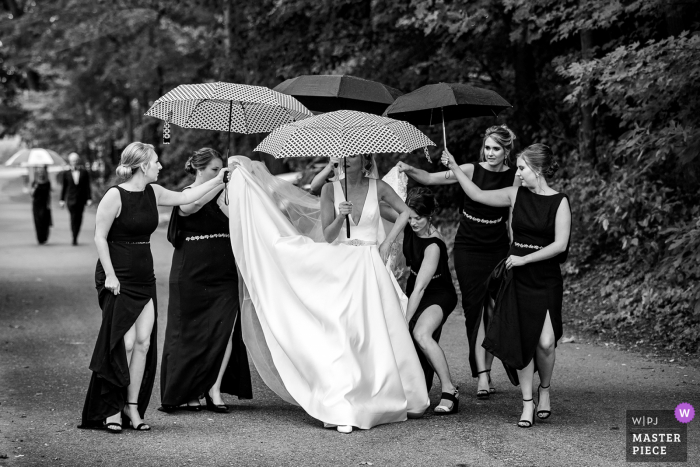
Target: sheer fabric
[[324, 323]]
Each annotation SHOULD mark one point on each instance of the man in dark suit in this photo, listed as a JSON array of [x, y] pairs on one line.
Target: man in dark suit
[[75, 193]]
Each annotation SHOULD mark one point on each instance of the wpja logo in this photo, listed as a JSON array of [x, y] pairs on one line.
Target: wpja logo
[[658, 435]]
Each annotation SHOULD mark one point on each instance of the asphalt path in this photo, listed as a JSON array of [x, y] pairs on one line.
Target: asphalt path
[[49, 318]]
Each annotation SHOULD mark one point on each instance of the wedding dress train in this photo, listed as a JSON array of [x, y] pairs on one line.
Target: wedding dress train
[[324, 323]]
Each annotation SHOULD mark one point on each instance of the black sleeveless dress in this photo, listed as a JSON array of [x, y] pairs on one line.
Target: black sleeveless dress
[[130, 253], [202, 310], [440, 290], [41, 208], [536, 287], [480, 243]]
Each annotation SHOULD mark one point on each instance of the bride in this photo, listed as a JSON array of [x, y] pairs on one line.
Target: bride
[[323, 318]]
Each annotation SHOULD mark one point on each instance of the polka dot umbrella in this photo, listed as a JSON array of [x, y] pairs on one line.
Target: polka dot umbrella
[[220, 106], [343, 133]]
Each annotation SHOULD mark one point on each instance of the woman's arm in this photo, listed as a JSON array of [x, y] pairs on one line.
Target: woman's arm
[[107, 211], [165, 197], [321, 177], [191, 208], [437, 178], [387, 212], [562, 230], [497, 198], [387, 194], [427, 270], [331, 224]]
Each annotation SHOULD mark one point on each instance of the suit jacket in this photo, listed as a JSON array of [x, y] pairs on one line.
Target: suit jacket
[[72, 194]]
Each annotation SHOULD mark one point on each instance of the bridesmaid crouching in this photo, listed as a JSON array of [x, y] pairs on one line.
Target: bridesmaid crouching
[[124, 360], [203, 351], [432, 295]]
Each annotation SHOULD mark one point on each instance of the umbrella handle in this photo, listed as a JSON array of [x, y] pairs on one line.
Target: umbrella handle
[[347, 219], [444, 137]]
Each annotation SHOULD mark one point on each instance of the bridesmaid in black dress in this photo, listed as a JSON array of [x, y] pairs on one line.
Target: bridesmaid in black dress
[[541, 223], [432, 296], [124, 360], [199, 354], [41, 204], [481, 241]]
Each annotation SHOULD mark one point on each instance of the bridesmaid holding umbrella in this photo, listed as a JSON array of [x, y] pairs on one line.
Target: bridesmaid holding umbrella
[[203, 352], [482, 239]]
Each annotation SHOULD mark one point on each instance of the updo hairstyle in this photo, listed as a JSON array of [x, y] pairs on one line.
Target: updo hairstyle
[[133, 156], [200, 159], [505, 137], [422, 201], [540, 159]]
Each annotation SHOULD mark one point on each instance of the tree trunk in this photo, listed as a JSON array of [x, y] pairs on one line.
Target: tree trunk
[[526, 91], [587, 146]]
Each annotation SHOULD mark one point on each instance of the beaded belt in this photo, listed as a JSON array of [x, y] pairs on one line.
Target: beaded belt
[[483, 221], [434, 277], [207, 237], [129, 243], [357, 242], [523, 245]]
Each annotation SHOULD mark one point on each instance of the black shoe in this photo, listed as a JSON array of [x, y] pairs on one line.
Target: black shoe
[[530, 423], [112, 427], [542, 414], [454, 397], [141, 426], [483, 394], [212, 407], [75, 242]]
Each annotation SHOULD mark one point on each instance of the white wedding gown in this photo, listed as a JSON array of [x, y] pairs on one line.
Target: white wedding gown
[[324, 323]]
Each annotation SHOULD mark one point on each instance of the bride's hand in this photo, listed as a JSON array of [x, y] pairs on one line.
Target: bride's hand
[[385, 251], [345, 208]]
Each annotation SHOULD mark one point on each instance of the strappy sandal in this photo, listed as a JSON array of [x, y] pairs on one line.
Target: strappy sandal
[[212, 407], [530, 423], [543, 414], [444, 410], [483, 394], [141, 426], [112, 427]]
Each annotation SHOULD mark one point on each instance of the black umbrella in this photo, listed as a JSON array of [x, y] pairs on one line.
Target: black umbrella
[[436, 103], [328, 93]]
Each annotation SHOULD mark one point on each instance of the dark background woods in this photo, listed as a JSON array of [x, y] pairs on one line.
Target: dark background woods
[[612, 86]]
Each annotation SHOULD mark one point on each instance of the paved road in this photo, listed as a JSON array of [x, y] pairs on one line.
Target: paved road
[[49, 319]]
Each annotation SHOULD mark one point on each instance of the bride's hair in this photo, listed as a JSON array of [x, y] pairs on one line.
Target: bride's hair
[[423, 201]]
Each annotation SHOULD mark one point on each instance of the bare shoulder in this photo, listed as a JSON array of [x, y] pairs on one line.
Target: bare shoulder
[[327, 191]]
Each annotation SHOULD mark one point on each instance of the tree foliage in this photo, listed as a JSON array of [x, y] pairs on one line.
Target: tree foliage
[[611, 85]]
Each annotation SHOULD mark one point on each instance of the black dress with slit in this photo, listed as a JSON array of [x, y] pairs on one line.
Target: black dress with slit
[[480, 243], [41, 208], [440, 290], [202, 311], [130, 252], [536, 288]]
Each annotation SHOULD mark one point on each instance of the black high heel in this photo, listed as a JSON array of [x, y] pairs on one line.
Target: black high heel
[[529, 423], [483, 394], [108, 427], [454, 397], [543, 414], [142, 426], [212, 407]]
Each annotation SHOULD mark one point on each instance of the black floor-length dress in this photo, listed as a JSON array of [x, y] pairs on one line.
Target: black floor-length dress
[[202, 310], [130, 253], [440, 290], [41, 208], [480, 243], [537, 287]]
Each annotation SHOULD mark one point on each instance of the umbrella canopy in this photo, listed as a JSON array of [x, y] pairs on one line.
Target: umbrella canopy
[[436, 103], [343, 133], [35, 157], [220, 106], [327, 93]]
